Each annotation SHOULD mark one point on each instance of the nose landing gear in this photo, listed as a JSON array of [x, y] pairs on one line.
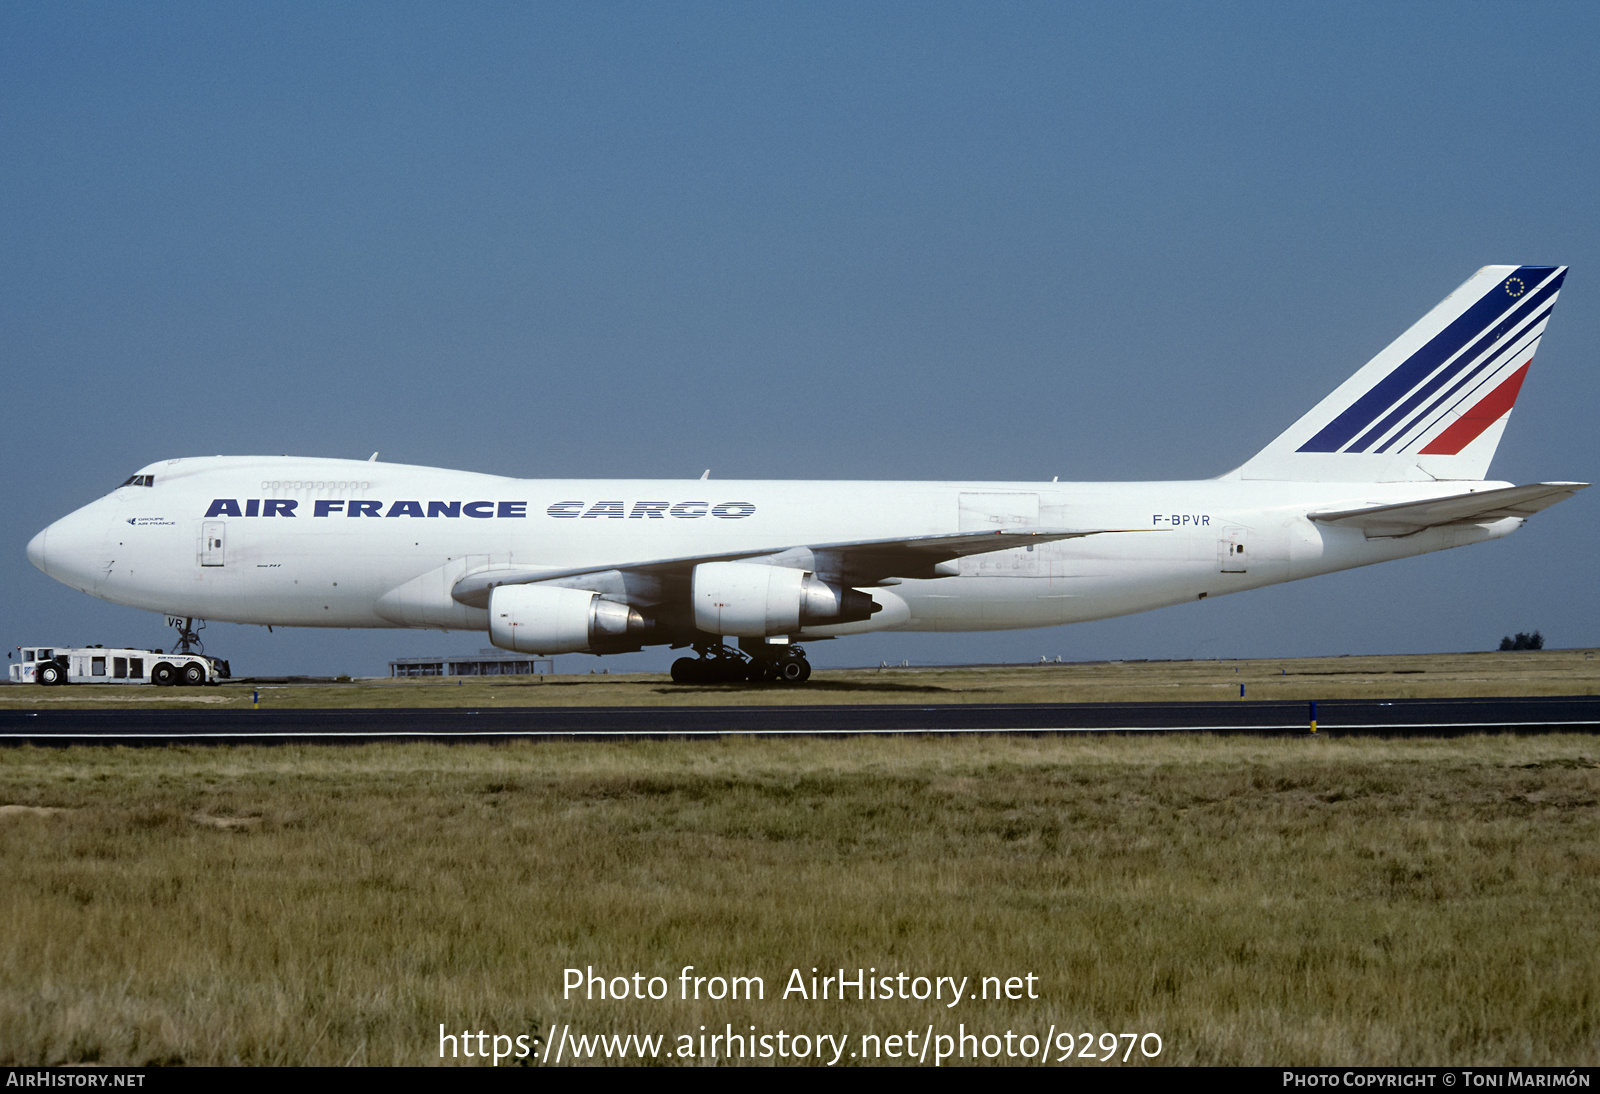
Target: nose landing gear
[[188, 635], [188, 644]]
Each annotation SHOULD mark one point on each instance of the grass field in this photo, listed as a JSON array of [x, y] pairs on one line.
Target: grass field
[[1286, 901], [1547, 672]]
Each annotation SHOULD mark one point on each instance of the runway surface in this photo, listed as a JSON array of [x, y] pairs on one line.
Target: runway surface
[[1399, 717]]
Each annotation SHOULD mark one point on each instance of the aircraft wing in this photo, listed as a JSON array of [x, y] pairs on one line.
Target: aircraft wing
[[854, 562], [1482, 507]]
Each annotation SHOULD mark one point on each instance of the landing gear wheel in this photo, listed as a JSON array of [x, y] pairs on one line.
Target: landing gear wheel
[[193, 674], [794, 670], [163, 675], [685, 670], [50, 674]]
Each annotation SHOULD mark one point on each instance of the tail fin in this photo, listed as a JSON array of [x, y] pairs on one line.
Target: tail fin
[[1434, 403]]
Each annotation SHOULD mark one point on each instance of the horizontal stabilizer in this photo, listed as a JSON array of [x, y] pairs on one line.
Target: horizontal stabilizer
[[859, 562], [1481, 507]]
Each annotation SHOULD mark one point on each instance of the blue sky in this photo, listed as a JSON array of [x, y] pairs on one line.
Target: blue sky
[[812, 241]]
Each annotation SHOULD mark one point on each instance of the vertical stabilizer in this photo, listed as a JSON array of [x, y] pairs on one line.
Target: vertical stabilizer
[[1433, 404]]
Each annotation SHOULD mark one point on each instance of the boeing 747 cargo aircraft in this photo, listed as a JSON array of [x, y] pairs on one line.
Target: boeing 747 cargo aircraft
[[1391, 464]]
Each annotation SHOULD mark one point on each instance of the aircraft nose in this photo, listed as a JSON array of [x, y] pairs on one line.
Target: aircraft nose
[[73, 549], [36, 550]]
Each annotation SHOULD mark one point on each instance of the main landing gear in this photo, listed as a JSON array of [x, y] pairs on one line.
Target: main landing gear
[[719, 664]]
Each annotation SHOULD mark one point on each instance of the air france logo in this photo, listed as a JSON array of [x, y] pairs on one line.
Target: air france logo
[[481, 510], [329, 507]]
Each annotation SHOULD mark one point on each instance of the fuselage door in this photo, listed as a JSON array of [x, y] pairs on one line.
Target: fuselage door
[[1231, 558], [211, 542]]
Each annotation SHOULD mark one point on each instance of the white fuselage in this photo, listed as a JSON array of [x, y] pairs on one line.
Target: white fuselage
[[338, 543]]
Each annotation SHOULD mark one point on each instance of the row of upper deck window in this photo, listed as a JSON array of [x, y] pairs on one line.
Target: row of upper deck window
[[297, 484], [315, 484]]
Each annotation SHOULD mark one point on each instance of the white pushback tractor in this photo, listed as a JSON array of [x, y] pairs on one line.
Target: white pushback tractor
[[56, 665]]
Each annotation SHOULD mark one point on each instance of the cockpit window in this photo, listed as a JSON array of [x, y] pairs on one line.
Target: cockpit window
[[140, 480]]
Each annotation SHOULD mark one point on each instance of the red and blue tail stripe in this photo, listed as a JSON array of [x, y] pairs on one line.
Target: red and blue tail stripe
[[1462, 358]]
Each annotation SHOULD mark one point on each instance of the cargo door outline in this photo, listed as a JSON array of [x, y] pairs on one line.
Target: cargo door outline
[[1231, 558]]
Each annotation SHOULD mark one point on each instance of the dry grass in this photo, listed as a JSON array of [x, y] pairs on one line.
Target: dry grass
[[1432, 676], [1334, 901]]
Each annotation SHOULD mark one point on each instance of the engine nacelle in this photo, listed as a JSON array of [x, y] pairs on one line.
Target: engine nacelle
[[547, 619], [755, 601]]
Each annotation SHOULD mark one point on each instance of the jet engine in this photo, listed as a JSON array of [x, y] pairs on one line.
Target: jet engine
[[547, 619], [754, 601]]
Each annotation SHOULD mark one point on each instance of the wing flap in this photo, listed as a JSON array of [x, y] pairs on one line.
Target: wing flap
[[1481, 507]]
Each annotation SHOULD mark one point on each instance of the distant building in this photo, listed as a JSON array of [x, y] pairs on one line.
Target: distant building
[[486, 662]]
